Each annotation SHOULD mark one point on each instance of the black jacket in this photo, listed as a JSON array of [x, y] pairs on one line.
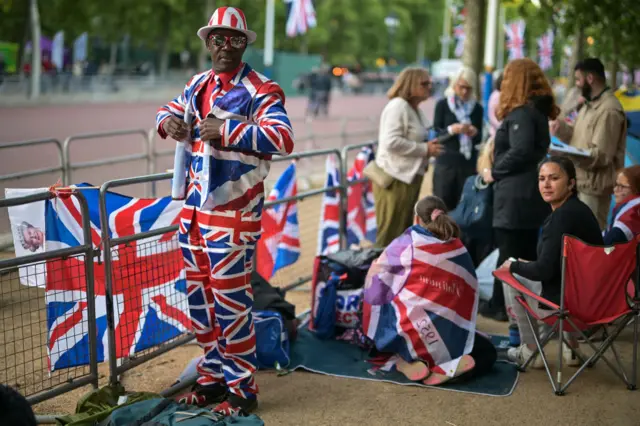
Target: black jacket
[[573, 218], [521, 142], [443, 118]]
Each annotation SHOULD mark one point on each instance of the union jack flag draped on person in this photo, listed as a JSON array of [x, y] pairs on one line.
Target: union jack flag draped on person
[[149, 287], [421, 300], [279, 246], [361, 216], [458, 34], [545, 50], [329, 229], [515, 38], [300, 16]]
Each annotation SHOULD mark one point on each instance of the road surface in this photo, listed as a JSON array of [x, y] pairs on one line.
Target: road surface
[[62, 121]]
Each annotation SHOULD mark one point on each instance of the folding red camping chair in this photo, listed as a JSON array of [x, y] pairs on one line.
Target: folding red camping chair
[[594, 292]]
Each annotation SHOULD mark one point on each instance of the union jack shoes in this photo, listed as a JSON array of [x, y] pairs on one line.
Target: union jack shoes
[[203, 396], [236, 406]]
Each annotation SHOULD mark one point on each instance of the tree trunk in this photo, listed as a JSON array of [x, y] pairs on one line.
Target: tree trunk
[[36, 58], [209, 7], [615, 64], [304, 44], [164, 44], [421, 46], [113, 57], [577, 53], [474, 37]]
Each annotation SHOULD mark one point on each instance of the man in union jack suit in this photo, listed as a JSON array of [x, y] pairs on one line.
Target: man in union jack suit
[[232, 120]]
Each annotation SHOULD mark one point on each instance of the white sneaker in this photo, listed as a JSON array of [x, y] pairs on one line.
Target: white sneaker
[[521, 354], [569, 356]]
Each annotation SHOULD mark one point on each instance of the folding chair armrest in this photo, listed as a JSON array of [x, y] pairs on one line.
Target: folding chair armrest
[[508, 278]]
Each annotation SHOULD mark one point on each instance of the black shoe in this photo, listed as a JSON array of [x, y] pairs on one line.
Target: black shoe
[[488, 312], [203, 396]]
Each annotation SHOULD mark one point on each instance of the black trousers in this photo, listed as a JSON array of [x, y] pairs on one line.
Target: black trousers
[[448, 182], [517, 243]]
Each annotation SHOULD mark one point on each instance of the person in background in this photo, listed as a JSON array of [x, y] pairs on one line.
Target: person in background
[[459, 114], [312, 87], [323, 83], [15, 409], [625, 220], [557, 185], [521, 142], [494, 102], [402, 153], [600, 129], [3, 68]]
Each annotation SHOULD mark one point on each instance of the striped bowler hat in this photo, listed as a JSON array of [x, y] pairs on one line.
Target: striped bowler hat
[[230, 18]]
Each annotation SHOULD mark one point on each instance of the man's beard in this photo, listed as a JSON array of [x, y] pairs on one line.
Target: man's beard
[[586, 91]]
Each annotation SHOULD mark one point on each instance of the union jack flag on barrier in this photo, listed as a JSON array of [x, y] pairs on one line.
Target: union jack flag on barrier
[[279, 246], [329, 229], [515, 38], [300, 16], [149, 287], [458, 34], [361, 216], [545, 50]]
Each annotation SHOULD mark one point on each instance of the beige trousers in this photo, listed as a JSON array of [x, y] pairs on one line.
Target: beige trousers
[[599, 205]]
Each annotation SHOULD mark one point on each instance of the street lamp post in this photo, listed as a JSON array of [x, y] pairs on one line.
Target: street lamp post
[[392, 22]]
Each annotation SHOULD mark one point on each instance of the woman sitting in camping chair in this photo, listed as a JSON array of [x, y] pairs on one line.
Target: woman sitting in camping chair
[[421, 298], [557, 185]]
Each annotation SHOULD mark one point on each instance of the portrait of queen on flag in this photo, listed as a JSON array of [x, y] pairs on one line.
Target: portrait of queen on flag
[[421, 297]]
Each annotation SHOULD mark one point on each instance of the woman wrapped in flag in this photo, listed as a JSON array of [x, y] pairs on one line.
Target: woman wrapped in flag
[[421, 301], [625, 219]]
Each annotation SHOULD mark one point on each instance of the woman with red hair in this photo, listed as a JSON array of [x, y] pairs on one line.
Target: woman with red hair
[[625, 220], [521, 142]]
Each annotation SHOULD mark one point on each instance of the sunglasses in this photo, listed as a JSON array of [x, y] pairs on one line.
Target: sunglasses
[[237, 42]]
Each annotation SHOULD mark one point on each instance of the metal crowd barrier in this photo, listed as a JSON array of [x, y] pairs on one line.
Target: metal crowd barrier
[[126, 248], [23, 144], [145, 155], [26, 346], [303, 273], [124, 279]]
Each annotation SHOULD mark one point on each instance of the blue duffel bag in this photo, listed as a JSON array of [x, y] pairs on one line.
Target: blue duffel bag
[[272, 340]]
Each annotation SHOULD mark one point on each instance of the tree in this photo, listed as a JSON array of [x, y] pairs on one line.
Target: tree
[[474, 37]]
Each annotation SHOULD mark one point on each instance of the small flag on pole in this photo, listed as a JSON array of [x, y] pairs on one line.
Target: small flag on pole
[[458, 34], [300, 16], [515, 38], [545, 50]]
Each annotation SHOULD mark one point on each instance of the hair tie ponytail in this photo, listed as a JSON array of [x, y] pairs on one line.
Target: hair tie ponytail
[[435, 213]]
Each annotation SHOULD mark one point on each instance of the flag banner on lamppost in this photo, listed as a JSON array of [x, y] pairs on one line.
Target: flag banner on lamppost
[[458, 34], [80, 48], [57, 50], [545, 50], [300, 17], [515, 38]]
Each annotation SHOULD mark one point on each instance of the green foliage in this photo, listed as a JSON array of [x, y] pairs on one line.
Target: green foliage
[[614, 26], [348, 31]]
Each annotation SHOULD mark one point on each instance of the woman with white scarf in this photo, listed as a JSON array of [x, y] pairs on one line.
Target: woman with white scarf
[[457, 113]]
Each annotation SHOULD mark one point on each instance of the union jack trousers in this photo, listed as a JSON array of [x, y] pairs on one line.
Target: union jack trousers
[[218, 266], [220, 220]]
